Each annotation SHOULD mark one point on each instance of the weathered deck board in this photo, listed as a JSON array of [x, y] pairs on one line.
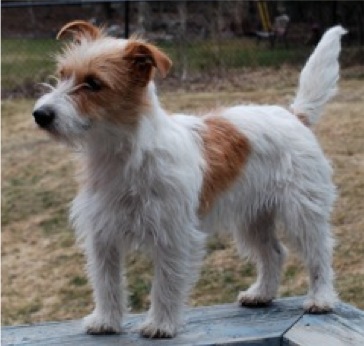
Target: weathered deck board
[[344, 327], [224, 324], [281, 323]]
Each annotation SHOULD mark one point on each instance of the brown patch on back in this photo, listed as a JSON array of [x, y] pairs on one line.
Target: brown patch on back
[[226, 151]]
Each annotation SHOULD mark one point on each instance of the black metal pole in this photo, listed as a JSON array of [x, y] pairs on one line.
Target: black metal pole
[[126, 19]]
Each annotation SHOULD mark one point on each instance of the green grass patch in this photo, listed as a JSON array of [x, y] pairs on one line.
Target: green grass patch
[[137, 297], [57, 222], [29, 309], [78, 281], [26, 60], [209, 55]]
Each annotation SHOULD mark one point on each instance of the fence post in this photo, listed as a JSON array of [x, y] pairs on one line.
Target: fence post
[[126, 18]]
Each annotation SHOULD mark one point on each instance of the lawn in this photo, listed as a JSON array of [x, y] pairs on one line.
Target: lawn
[[43, 276], [26, 61], [234, 53]]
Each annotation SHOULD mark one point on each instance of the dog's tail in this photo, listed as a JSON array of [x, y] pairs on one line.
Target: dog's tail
[[319, 77]]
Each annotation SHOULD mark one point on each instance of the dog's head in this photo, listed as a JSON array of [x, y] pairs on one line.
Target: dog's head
[[99, 79]]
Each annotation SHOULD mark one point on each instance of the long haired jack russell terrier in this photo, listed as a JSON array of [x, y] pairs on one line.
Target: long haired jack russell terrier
[[161, 182]]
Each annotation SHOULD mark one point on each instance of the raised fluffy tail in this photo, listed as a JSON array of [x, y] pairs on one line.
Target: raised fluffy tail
[[319, 77]]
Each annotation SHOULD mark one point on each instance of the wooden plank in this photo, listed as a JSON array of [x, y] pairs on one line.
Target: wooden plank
[[216, 325], [343, 327]]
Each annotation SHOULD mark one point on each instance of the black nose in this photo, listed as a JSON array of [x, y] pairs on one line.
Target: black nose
[[44, 116]]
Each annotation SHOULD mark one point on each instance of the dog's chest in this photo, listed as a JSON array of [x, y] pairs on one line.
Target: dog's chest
[[128, 201]]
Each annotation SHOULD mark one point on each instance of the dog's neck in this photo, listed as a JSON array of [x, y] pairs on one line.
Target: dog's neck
[[130, 141]]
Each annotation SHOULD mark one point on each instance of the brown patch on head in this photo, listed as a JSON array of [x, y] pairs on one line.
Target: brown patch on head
[[78, 29], [144, 57], [226, 151], [104, 87], [110, 75]]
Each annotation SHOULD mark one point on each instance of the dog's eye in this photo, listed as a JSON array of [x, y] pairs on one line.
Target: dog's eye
[[92, 83]]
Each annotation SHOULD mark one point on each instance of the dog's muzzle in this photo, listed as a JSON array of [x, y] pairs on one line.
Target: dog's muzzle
[[44, 116]]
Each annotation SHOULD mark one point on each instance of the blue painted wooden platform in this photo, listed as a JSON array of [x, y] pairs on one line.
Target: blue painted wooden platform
[[282, 323]]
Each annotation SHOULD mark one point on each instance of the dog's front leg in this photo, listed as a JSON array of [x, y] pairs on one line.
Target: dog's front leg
[[168, 294], [104, 269], [175, 271]]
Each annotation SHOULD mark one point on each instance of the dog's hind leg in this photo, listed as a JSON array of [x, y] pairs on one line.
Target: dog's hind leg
[[309, 232], [318, 255], [259, 242]]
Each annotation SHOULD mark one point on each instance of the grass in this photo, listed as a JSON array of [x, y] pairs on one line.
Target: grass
[[43, 276], [28, 61], [244, 52]]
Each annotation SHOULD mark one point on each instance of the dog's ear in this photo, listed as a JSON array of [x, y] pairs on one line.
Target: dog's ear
[[78, 29], [144, 56]]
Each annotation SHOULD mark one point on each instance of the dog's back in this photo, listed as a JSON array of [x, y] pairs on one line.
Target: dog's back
[[288, 179]]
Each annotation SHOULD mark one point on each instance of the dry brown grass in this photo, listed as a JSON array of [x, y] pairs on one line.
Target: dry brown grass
[[43, 274]]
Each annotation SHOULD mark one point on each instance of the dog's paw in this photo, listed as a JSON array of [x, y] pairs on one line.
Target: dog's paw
[[245, 298], [313, 306], [95, 324], [321, 302], [151, 330]]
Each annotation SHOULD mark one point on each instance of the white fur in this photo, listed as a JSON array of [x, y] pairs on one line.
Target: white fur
[[319, 76], [143, 185]]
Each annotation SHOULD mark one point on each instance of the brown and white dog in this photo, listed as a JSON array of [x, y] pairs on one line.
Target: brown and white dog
[[161, 182]]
